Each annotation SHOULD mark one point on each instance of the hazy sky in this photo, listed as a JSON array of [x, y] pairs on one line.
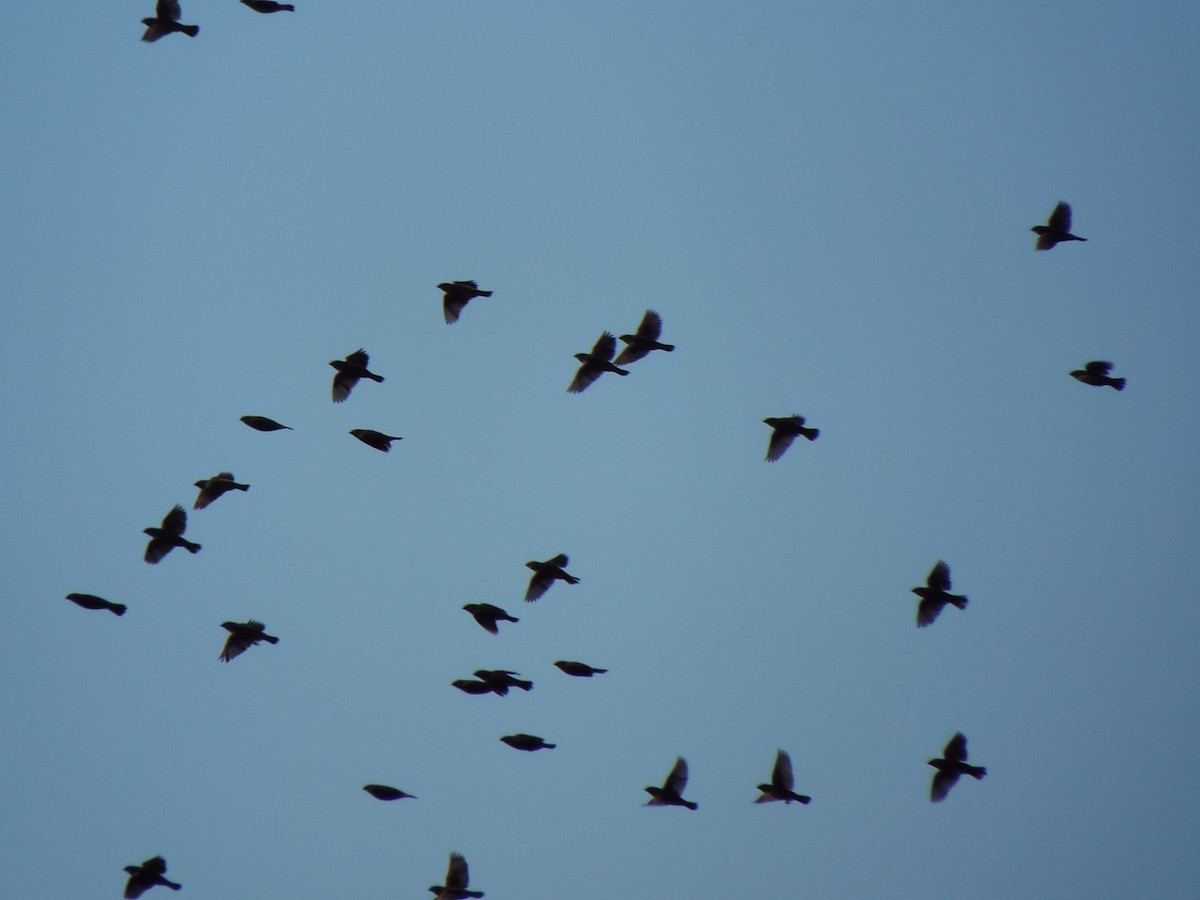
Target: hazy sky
[[830, 207]]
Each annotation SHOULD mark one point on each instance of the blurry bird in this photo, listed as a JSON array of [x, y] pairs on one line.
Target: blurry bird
[[262, 423], [242, 636], [487, 616], [1096, 372], [386, 792], [457, 295], [212, 488], [578, 669], [545, 574], [934, 596], [528, 742], [595, 364], [349, 371], [166, 20], [376, 439], [91, 601], [949, 768], [469, 686], [1057, 229], [502, 679], [168, 536], [782, 782], [786, 430], [146, 876], [268, 6], [644, 341], [457, 880], [671, 793]]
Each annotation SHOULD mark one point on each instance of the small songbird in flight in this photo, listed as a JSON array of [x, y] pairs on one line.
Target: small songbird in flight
[[502, 679], [268, 6], [262, 423], [1057, 229], [595, 364], [935, 595], [545, 574], [645, 340], [243, 636], [782, 783], [950, 767], [487, 616], [457, 295], [457, 880], [165, 20], [146, 876], [376, 439], [786, 429], [528, 742], [578, 669], [1096, 373], [212, 488], [349, 371], [168, 536], [386, 792], [91, 601], [671, 793]]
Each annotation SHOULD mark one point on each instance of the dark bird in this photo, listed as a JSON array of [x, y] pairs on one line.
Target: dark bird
[[1057, 228], [349, 371], [457, 880], [147, 875], [212, 488], [268, 6], [376, 439], [671, 793], [949, 768], [262, 423], [1096, 372], [528, 742], [470, 686], [165, 20], [595, 364], [786, 429], [457, 295], [487, 616], [168, 536], [502, 679], [645, 340], [386, 792], [934, 595], [782, 783], [243, 636], [578, 669], [91, 601], [545, 574]]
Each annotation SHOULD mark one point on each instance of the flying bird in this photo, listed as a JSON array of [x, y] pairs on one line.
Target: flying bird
[[457, 880], [528, 742], [349, 371], [1057, 228], [950, 767], [268, 6], [262, 423], [376, 439], [91, 601], [501, 680], [457, 295], [1096, 372], [470, 686], [782, 783], [786, 429], [168, 536], [165, 20], [545, 574], [146, 876], [243, 636], [386, 792], [578, 669], [671, 793], [487, 616], [645, 340], [595, 364], [212, 488], [935, 595]]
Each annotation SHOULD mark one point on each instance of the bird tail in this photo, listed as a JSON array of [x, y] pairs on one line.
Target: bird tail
[[1118, 383], [118, 608], [957, 600], [977, 772], [270, 639], [287, 6], [190, 31], [667, 347], [242, 487], [485, 293], [599, 671], [171, 884], [811, 433], [621, 371], [571, 579], [511, 619], [549, 746], [690, 805], [192, 548], [373, 377], [523, 685], [802, 798]]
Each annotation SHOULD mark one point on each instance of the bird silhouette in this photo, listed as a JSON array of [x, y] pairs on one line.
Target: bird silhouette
[[487, 616], [501, 680], [595, 364], [952, 765], [671, 792], [168, 536], [262, 423], [545, 574], [268, 6], [349, 371], [376, 439], [1057, 228], [147, 875], [644, 340], [1096, 372], [212, 488], [578, 669], [528, 742], [386, 792], [457, 880], [457, 295], [166, 20], [785, 430], [243, 636], [935, 595], [782, 783], [91, 601]]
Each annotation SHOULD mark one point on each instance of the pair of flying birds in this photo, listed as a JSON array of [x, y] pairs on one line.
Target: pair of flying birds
[[167, 14], [600, 359]]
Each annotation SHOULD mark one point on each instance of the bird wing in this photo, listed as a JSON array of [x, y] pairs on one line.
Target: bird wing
[[1098, 367], [780, 441], [558, 561], [157, 549], [236, 645], [175, 522], [168, 9], [457, 874], [467, 284], [358, 358], [678, 779], [343, 384], [452, 306], [781, 776], [956, 749], [605, 346], [651, 326], [631, 353], [1060, 219], [943, 780], [929, 609], [222, 476], [939, 577], [538, 585]]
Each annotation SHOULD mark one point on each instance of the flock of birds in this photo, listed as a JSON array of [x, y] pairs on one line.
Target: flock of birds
[[603, 358]]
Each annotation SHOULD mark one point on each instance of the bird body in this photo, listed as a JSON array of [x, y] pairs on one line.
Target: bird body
[[529, 742], [782, 783], [785, 430], [457, 294], [243, 636], [952, 764], [1057, 228], [488, 615], [268, 6], [458, 878], [595, 364], [376, 439], [349, 371], [146, 876], [644, 340], [168, 536], [578, 669], [262, 423], [91, 601], [471, 686], [1096, 374], [935, 595], [386, 792], [671, 792], [212, 488], [501, 680], [545, 574], [166, 20]]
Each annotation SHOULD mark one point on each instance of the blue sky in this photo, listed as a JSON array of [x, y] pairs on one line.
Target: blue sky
[[829, 206]]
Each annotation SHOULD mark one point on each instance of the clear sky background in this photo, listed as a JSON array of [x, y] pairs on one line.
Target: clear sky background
[[830, 207]]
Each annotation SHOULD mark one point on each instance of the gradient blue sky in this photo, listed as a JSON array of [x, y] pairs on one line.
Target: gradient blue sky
[[829, 205]]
